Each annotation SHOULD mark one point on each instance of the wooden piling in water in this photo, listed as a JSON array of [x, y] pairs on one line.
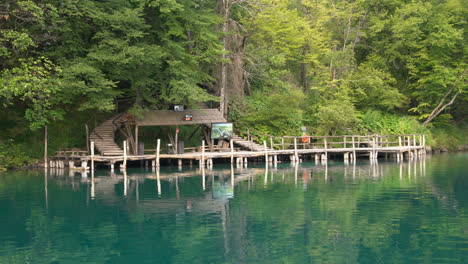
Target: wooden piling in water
[[202, 161], [326, 151], [296, 155], [231, 144], [92, 155], [158, 150], [46, 139], [354, 149], [124, 165]]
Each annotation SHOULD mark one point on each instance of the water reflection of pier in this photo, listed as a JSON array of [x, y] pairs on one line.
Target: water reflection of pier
[[157, 193], [106, 185]]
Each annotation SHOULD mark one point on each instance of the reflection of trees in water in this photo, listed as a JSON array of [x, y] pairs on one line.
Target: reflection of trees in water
[[332, 214], [320, 224]]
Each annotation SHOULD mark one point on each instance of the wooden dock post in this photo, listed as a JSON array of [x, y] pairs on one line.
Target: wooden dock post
[[346, 154], [124, 165], [400, 153], [92, 155], [71, 164], [202, 161], [266, 150], [136, 140], [424, 144], [271, 143], [46, 139], [420, 151], [372, 153], [408, 150], [326, 150], [324, 158], [354, 149], [232, 150], [282, 142], [158, 150], [84, 165], [296, 156]]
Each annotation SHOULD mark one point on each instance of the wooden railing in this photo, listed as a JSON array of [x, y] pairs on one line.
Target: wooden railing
[[90, 128], [331, 142], [346, 141]]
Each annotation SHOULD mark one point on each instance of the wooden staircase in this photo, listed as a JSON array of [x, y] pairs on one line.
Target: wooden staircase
[[103, 138], [246, 144]]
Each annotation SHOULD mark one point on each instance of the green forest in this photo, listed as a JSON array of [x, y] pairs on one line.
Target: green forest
[[336, 67]]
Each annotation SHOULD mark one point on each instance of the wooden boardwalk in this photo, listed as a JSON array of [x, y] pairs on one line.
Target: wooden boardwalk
[[276, 149]]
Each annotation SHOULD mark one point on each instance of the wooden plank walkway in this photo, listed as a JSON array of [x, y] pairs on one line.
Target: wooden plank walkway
[[291, 148]]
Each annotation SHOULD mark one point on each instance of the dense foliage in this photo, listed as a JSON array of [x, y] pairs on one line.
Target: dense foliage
[[334, 66]]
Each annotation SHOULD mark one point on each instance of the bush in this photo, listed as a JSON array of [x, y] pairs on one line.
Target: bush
[[336, 117], [387, 123], [278, 113], [12, 155], [449, 137]]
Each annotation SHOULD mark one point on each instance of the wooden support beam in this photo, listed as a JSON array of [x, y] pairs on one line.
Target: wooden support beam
[[46, 139], [296, 155], [231, 144], [136, 141], [202, 162], [158, 150], [124, 165], [92, 155], [87, 137], [266, 150], [354, 149]]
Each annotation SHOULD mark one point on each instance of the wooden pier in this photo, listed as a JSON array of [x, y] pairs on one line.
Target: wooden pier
[[275, 149]]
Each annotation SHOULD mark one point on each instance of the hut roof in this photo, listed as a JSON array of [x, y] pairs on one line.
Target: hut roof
[[172, 118]]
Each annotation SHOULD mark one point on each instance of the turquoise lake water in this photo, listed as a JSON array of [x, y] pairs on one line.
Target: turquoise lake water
[[389, 212]]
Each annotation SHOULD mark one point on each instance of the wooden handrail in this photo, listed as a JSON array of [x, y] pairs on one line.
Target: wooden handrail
[[94, 128]]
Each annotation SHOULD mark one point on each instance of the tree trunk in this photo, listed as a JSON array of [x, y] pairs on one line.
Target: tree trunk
[[232, 77], [222, 93], [440, 107]]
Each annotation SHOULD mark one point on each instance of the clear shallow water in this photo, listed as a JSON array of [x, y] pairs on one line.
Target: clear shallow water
[[414, 212]]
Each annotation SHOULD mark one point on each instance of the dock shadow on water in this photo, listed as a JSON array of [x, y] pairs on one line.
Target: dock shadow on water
[[384, 212]]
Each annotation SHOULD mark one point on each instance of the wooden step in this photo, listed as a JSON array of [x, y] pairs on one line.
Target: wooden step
[[112, 154]]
